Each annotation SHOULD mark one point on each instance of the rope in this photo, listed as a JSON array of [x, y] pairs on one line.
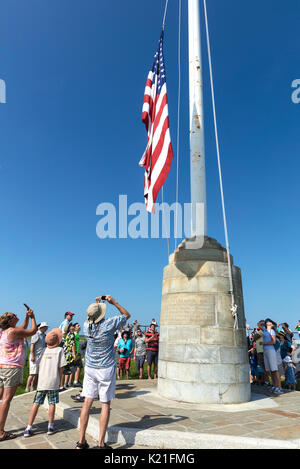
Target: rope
[[164, 220], [178, 116], [233, 305]]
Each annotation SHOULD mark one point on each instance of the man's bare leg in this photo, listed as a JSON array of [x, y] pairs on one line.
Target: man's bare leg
[[84, 417], [104, 418]]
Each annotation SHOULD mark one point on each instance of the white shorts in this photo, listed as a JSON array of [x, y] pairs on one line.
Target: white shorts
[[270, 359], [33, 368], [99, 382]]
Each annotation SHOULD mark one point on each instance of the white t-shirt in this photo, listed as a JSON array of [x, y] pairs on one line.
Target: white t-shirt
[[52, 360]]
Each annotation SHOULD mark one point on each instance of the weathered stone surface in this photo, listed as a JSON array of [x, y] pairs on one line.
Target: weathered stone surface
[[202, 358], [217, 336], [235, 393], [202, 354], [242, 373], [234, 355], [171, 352], [240, 337], [198, 268], [192, 353], [220, 373], [204, 392], [188, 308], [187, 372], [223, 305], [196, 284], [188, 392], [172, 335]]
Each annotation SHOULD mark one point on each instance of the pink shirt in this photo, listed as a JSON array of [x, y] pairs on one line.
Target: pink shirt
[[12, 354]]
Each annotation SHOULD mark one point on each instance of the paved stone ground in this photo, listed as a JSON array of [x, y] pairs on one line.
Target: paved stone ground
[[132, 410], [65, 437]]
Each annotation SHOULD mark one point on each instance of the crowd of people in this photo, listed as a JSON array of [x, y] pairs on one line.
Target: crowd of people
[[56, 359], [271, 347]]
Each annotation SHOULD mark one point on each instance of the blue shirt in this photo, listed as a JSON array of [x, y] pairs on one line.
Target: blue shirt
[[126, 347], [267, 337], [62, 327], [100, 352]]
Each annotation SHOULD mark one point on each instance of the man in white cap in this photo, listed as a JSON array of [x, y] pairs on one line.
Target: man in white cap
[[100, 365], [37, 346]]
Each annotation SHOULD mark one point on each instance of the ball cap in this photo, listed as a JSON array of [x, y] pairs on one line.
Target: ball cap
[[69, 313], [96, 312], [54, 338]]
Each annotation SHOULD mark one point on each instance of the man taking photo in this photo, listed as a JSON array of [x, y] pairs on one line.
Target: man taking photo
[[100, 365]]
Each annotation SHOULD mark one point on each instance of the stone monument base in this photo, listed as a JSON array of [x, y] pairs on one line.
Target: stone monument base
[[202, 358]]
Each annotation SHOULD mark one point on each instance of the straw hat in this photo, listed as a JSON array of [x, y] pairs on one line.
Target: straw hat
[[96, 312]]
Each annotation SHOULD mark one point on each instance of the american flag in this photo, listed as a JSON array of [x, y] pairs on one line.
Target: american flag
[[158, 155]]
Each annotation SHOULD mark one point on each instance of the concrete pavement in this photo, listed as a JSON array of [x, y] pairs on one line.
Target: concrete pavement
[[140, 418]]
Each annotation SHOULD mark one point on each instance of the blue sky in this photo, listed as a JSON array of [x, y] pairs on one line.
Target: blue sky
[[71, 138]]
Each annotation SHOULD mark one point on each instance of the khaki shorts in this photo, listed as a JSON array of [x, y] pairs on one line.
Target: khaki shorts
[[10, 377]]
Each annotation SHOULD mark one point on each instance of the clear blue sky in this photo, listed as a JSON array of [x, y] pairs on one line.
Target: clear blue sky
[[71, 137]]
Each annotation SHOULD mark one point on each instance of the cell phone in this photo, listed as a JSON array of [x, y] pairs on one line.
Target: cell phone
[[27, 307], [103, 297]]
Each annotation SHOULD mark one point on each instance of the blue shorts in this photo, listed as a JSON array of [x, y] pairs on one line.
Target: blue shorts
[[140, 360], [152, 357]]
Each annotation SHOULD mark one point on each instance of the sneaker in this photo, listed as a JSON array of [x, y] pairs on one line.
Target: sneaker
[[278, 391], [50, 431], [77, 385], [28, 433]]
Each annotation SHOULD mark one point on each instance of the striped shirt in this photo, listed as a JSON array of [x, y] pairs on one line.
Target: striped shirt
[[152, 345]]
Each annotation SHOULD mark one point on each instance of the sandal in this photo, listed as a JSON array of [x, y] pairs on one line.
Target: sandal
[[8, 436], [102, 447], [81, 445], [78, 398]]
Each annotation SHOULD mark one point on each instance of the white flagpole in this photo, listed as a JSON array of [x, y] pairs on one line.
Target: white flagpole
[[197, 150]]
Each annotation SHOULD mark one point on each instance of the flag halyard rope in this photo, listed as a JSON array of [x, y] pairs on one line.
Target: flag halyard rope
[[233, 305], [178, 119]]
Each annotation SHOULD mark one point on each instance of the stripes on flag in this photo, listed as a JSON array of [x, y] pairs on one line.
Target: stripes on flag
[[158, 155]]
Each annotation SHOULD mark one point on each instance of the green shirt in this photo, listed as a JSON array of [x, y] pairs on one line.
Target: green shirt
[[77, 341]]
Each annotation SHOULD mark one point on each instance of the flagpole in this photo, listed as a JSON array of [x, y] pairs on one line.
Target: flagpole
[[197, 149]]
